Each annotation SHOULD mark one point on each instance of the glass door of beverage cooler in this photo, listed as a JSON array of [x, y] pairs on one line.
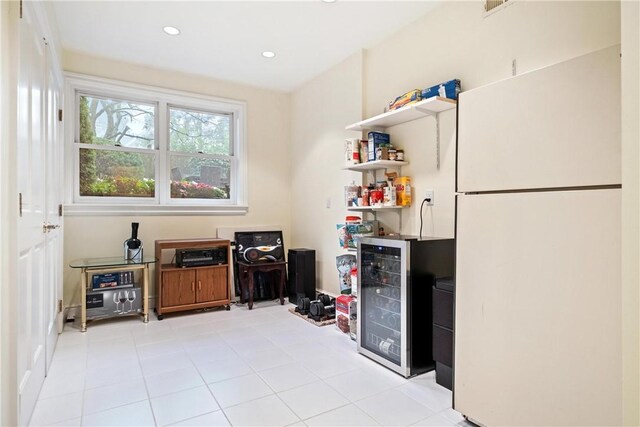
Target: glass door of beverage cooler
[[382, 296]]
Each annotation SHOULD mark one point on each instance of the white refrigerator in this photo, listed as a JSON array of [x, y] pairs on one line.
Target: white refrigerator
[[538, 276]]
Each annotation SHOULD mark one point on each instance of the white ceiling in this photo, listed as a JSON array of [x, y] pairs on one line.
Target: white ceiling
[[224, 39]]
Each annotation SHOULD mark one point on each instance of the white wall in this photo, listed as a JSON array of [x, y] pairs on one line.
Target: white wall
[[268, 170], [319, 112], [452, 41], [630, 12]]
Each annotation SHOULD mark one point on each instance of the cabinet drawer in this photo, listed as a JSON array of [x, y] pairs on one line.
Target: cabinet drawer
[[443, 308], [443, 345]]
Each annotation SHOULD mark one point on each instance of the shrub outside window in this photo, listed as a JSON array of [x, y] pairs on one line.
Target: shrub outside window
[[153, 150]]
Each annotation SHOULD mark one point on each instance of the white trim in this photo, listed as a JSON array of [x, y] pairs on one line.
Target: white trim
[[161, 98], [9, 39], [138, 209]]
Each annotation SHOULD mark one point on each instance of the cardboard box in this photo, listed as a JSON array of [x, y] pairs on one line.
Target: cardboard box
[[451, 90], [343, 312], [410, 97], [107, 280], [403, 190], [107, 303], [375, 140]]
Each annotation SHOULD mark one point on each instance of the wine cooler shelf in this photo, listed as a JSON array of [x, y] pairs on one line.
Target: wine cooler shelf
[[386, 346], [385, 303]]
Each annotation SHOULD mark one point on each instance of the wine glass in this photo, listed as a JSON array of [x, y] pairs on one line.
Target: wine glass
[[131, 297], [123, 296], [117, 301]]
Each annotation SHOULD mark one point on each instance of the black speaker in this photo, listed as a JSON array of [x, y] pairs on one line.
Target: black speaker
[[302, 274]]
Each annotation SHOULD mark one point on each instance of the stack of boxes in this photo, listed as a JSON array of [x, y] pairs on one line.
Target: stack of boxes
[[346, 315]]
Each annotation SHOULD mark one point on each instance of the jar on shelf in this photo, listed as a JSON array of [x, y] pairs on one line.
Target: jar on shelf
[[351, 194]]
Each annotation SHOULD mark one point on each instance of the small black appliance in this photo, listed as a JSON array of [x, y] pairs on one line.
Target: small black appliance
[[133, 245]]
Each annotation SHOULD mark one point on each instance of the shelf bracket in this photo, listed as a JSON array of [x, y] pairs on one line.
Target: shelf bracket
[[437, 117]]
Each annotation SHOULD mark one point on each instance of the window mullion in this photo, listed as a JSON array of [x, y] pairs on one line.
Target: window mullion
[[162, 171]]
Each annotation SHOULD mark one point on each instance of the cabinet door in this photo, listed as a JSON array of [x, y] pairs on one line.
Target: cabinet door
[[178, 287], [212, 284]]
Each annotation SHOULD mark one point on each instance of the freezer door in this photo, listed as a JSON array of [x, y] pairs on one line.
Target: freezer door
[[537, 308], [554, 127]]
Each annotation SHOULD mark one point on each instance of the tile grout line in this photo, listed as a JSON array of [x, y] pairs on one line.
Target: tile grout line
[[144, 380], [252, 327]]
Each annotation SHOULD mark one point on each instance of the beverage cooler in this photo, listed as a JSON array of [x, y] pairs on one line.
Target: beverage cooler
[[395, 277]]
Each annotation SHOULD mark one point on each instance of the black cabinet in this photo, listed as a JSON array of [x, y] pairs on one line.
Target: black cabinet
[[443, 331]]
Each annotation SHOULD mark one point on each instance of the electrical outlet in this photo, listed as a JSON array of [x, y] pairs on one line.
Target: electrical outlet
[[428, 195]]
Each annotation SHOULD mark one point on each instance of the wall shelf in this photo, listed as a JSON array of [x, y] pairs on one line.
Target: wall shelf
[[373, 208], [375, 165], [428, 107]]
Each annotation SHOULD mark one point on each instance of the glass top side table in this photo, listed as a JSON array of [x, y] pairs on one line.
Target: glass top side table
[[90, 266]]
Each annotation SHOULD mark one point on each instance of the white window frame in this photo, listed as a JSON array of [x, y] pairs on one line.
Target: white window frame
[[163, 99]]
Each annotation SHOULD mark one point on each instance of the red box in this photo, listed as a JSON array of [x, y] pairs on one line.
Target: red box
[[344, 312]]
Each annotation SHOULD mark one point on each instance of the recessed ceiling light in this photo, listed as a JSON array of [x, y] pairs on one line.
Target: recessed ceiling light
[[268, 54], [172, 31], [329, 1]]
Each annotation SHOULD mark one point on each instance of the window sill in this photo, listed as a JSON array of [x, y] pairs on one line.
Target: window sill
[[149, 210]]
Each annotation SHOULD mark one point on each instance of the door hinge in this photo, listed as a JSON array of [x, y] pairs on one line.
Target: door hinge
[[60, 115], [60, 209], [20, 203], [20, 9], [59, 306]]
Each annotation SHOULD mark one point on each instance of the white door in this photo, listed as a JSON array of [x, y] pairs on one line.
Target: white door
[[39, 252], [53, 215], [538, 306]]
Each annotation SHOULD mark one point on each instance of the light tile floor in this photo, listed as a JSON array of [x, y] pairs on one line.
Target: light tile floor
[[263, 367]]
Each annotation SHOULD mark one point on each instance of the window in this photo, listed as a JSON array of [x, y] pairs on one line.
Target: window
[[117, 149], [137, 149], [200, 153]]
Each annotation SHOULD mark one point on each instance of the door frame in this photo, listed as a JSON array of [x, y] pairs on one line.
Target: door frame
[[9, 20]]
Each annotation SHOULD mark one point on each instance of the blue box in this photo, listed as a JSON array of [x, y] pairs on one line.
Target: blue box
[[451, 88], [108, 280], [375, 140]]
